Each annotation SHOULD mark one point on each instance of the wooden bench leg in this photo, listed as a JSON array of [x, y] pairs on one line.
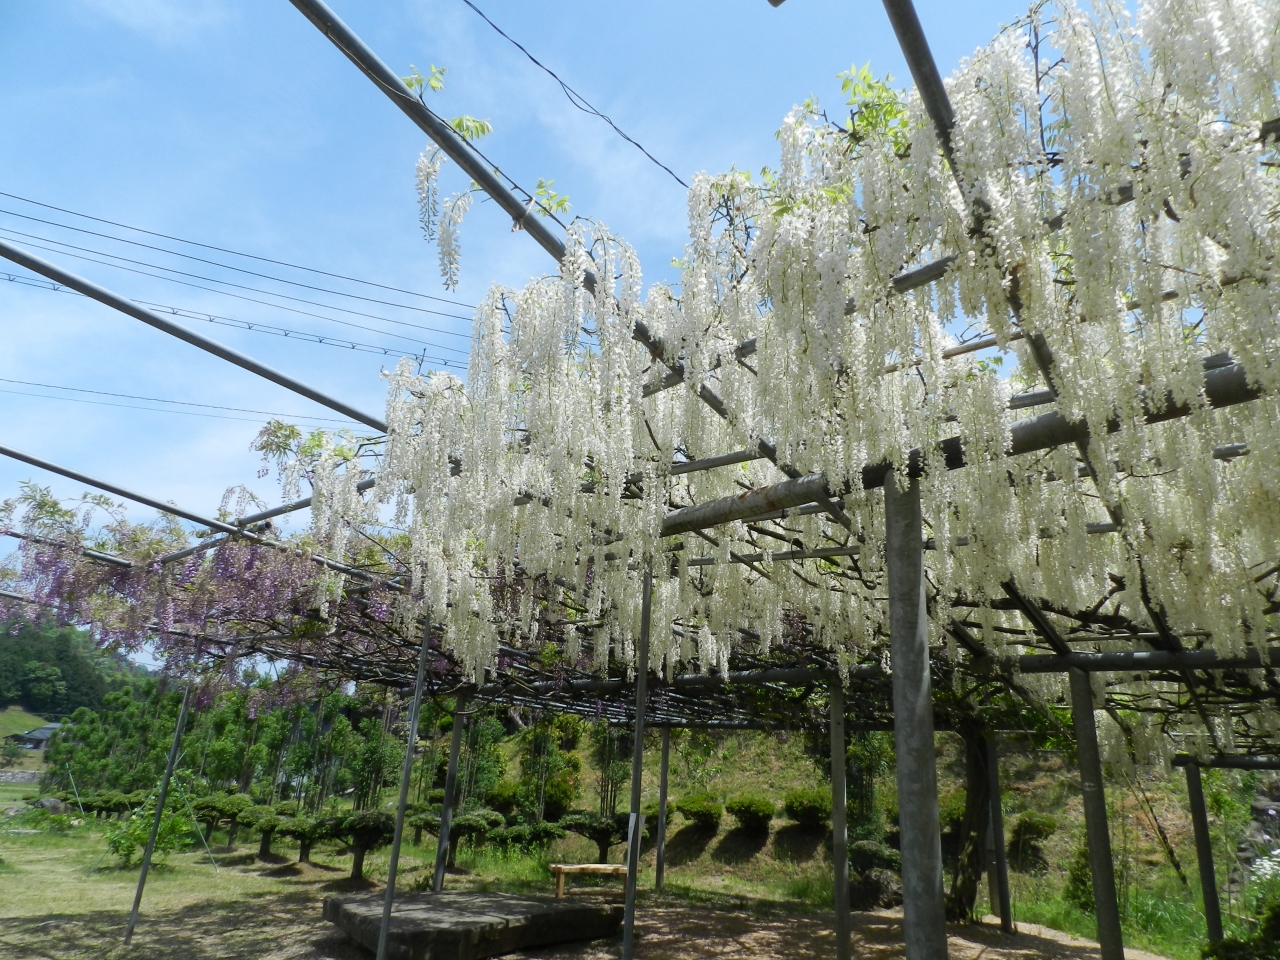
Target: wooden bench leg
[[559, 884]]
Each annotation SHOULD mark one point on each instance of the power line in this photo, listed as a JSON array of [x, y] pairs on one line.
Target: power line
[[575, 98], [252, 273], [303, 335], [238, 286], [236, 253], [134, 406], [184, 403]]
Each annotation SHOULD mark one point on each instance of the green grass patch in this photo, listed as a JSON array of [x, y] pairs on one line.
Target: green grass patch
[[16, 720]]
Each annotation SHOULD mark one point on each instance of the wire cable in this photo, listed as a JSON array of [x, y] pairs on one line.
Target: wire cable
[[134, 406], [183, 403], [250, 256], [252, 273], [238, 286], [575, 98], [42, 284]]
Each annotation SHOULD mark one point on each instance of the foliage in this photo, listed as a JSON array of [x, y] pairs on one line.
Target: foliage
[[808, 807], [753, 811], [367, 830], [128, 837], [878, 109], [549, 202], [526, 835], [433, 81], [469, 128], [603, 831], [1029, 831], [703, 809], [53, 671], [1079, 887], [867, 855], [1264, 944]]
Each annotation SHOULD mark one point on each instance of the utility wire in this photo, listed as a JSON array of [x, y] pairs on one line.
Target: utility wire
[[252, 273], [134, 406], [238, 296], [249, 256], [41, 284], [183, 403], [238, 286], [577, 99]]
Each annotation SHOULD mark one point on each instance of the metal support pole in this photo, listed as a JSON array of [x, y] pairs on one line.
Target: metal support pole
[[660, 867], [1000, 862], [839, 820], [636, 824], [450, 788], [1106, 908], [155, 823], [410, 743], [924, 916], [1204, 854]]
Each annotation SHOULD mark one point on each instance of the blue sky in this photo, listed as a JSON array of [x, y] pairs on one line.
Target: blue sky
[[236, 124]]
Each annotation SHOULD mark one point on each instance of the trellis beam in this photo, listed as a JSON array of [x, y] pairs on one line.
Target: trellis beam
[[1142, 660]]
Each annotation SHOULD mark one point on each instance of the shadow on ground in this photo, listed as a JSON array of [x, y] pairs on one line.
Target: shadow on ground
[[796, 843], [739, 845], [688, 843]]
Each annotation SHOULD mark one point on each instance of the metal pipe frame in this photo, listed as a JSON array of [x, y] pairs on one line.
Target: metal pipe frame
[[450, 796], [1204, 853], [129, 308], [839, 822], [635, 826], [660, 864]]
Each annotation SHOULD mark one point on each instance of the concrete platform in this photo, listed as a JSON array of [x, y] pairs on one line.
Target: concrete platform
[[469, 926]]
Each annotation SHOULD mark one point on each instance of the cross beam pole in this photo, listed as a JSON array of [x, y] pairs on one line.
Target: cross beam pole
[[450, 789], [1204, 854]]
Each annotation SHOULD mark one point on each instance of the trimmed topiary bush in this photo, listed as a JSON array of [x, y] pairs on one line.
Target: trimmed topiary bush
[[867, 855], [1029, 831], [704, 809], [753, 812], [367, 831], [603, 831], [808, 807]]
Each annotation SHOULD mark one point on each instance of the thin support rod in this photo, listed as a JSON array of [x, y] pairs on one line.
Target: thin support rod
[[155, 822], [129, 308], [1204, 854], [924, 918], [660, 865], [406, 775], [636, 823], [839, 820], [1106, 908], [450, 788], [1000, 862]]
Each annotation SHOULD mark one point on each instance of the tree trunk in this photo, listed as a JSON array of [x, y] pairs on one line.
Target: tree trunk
[[264, 846], [304, 851], [602, 851], [963, 898], [357, 863], [417, 836]]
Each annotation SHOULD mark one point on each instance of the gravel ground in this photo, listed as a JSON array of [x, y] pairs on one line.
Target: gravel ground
[[288, 927]]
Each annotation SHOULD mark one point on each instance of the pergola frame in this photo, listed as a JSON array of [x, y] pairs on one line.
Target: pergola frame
[[716, 702]]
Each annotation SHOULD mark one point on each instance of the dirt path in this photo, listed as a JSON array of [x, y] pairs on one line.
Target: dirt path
[[288, 927]]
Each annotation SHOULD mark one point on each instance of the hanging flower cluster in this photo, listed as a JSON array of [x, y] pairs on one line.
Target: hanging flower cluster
[[1112, 201]]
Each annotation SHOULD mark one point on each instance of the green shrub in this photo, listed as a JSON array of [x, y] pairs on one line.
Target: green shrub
[[1078, 890], [263, 819], [126, 838], [367, 831], [753, 812], [867, 855], [704, 809], [307, 831], [808, 807], [505, 797], [603, 831], [525, 835], [1029, 831], [1264, 944]]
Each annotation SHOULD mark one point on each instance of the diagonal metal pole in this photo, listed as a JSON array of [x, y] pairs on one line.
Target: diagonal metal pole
[[637, 768], [129, 308], [405, 777], [155, 823], [450, 788]]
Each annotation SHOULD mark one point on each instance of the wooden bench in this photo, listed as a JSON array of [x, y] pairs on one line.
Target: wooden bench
[[560, 870]]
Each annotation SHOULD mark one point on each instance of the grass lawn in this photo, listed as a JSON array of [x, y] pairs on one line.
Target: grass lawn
[[16, 720]]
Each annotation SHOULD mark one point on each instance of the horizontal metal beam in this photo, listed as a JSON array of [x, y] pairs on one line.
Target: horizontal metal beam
[[129, 308], [1224, 386], [1141, 660], [1226, 762]]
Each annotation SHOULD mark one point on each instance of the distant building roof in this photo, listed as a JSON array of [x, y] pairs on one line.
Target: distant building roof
[[37, 737]]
